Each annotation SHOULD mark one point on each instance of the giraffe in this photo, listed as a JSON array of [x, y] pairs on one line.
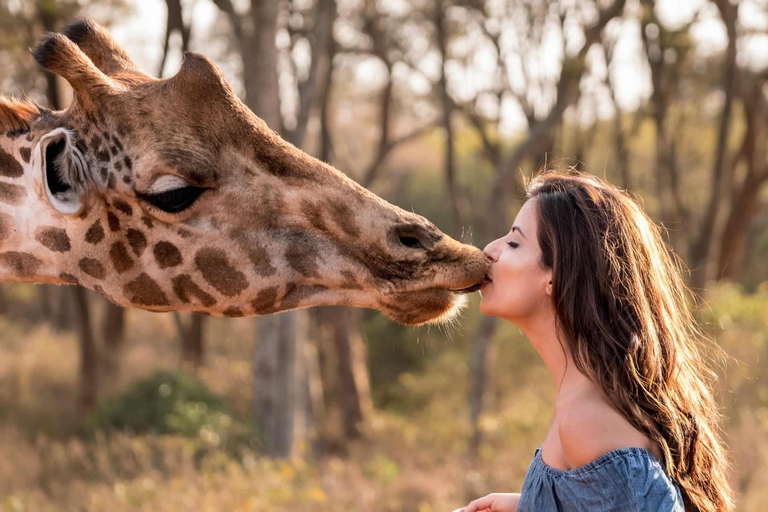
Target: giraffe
[[172, 195]]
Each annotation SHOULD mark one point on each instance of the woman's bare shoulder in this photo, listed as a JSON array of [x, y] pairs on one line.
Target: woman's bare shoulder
[[591, 427]]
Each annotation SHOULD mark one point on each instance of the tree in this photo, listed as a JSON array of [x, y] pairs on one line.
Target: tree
[[493, 219], [745, 202], [280, 381]]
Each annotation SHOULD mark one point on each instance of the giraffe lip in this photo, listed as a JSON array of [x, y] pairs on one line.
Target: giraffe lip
[[469, 289]]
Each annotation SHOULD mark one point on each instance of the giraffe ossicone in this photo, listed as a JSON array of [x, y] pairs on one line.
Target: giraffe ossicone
[[172, 195]]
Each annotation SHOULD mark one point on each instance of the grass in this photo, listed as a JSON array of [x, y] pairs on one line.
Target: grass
[[411, 459]]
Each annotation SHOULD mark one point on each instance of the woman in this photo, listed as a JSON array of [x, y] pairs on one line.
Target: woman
[[586, 276]]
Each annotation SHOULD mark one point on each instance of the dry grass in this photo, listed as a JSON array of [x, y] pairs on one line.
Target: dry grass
[[412, 459]]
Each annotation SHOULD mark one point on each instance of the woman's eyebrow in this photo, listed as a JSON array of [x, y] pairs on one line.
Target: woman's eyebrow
[[515, 228]]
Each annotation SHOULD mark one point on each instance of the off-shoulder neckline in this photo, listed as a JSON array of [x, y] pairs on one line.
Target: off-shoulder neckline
[[594, 464]]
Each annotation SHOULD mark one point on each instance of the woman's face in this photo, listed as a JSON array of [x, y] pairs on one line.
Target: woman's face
[[519, 284]]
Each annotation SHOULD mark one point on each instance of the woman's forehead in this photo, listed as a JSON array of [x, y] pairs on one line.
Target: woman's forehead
[[526, 217]]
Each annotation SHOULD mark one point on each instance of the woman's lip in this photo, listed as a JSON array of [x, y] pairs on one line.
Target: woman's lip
[[486, 281]]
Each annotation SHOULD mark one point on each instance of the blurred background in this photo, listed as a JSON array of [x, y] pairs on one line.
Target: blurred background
[[443, 107]]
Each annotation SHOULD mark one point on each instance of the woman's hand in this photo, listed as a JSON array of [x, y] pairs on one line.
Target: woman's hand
[[496, 502]]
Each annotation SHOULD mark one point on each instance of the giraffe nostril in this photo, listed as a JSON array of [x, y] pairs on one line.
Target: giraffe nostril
[[413, 236], [411, 242]]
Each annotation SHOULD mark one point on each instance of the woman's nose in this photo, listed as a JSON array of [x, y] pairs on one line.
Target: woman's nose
[[490, 251]]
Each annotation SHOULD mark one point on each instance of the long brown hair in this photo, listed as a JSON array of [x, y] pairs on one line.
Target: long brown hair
[[621, 309]]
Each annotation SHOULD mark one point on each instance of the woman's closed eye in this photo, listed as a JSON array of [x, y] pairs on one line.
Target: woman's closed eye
[[513, 245]]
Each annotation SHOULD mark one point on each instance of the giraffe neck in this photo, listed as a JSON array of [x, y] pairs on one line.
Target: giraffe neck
[[32, 238]]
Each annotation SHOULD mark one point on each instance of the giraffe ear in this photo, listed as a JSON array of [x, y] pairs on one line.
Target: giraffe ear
[[63, 169]]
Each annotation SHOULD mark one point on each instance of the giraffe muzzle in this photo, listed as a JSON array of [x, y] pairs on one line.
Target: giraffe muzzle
[[469, 289]]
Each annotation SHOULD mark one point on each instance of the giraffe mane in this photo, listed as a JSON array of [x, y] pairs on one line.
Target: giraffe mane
[[16, 115]]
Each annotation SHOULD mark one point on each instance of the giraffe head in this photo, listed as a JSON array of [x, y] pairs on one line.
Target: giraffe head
[[172, 195]]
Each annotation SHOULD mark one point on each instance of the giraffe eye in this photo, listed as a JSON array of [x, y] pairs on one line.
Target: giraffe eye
[[175, 200]]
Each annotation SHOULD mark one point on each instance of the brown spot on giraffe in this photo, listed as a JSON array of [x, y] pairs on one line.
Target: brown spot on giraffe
[[9, 166], [113, 221], [136, 240], [350, 283], [233, 312], [95, 233], [262, 264], [120, 257], [20, 263], [295, 293], [344, 217], [93, 268], [103, 156], [123, 207], [55, 239], [216, 270], [144, 291], [12, 194], [185, 288], [301, 256], [6, 226], [69, 278], [167, 254], [265, 300], [314, 214], [25, 154]]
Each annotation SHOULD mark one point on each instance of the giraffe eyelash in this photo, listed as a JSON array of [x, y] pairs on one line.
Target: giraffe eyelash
[[175, 200]]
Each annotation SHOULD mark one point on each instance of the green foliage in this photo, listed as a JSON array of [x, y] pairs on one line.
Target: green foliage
[[167, 402]]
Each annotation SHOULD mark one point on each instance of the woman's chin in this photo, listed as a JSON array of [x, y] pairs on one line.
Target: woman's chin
[[485, 305]]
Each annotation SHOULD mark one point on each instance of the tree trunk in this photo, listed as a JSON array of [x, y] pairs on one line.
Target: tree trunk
[[458, 206], [175, 22], [194, 348], [191, 339], [477, 376], [344, 373], [746, 203], [701, 249], [260, 64], [113, 332], [63, 318], [45, 294], [88, 355], [733, 245], [278, 401]]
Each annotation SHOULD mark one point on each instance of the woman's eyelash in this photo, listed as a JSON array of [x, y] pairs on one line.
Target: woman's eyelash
[[513, 245]]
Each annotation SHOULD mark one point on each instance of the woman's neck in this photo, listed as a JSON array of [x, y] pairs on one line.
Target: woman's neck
[[542, 333]]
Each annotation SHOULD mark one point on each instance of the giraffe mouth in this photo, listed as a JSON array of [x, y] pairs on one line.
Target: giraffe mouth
[[469, 289]]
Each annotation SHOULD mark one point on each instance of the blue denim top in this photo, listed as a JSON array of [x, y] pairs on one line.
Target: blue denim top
[[627, 480]]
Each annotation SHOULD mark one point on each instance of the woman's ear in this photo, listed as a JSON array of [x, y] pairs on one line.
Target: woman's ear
[[548, 287], [64, 170]]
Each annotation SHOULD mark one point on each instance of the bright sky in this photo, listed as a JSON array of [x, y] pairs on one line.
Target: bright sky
[[142, 35]]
